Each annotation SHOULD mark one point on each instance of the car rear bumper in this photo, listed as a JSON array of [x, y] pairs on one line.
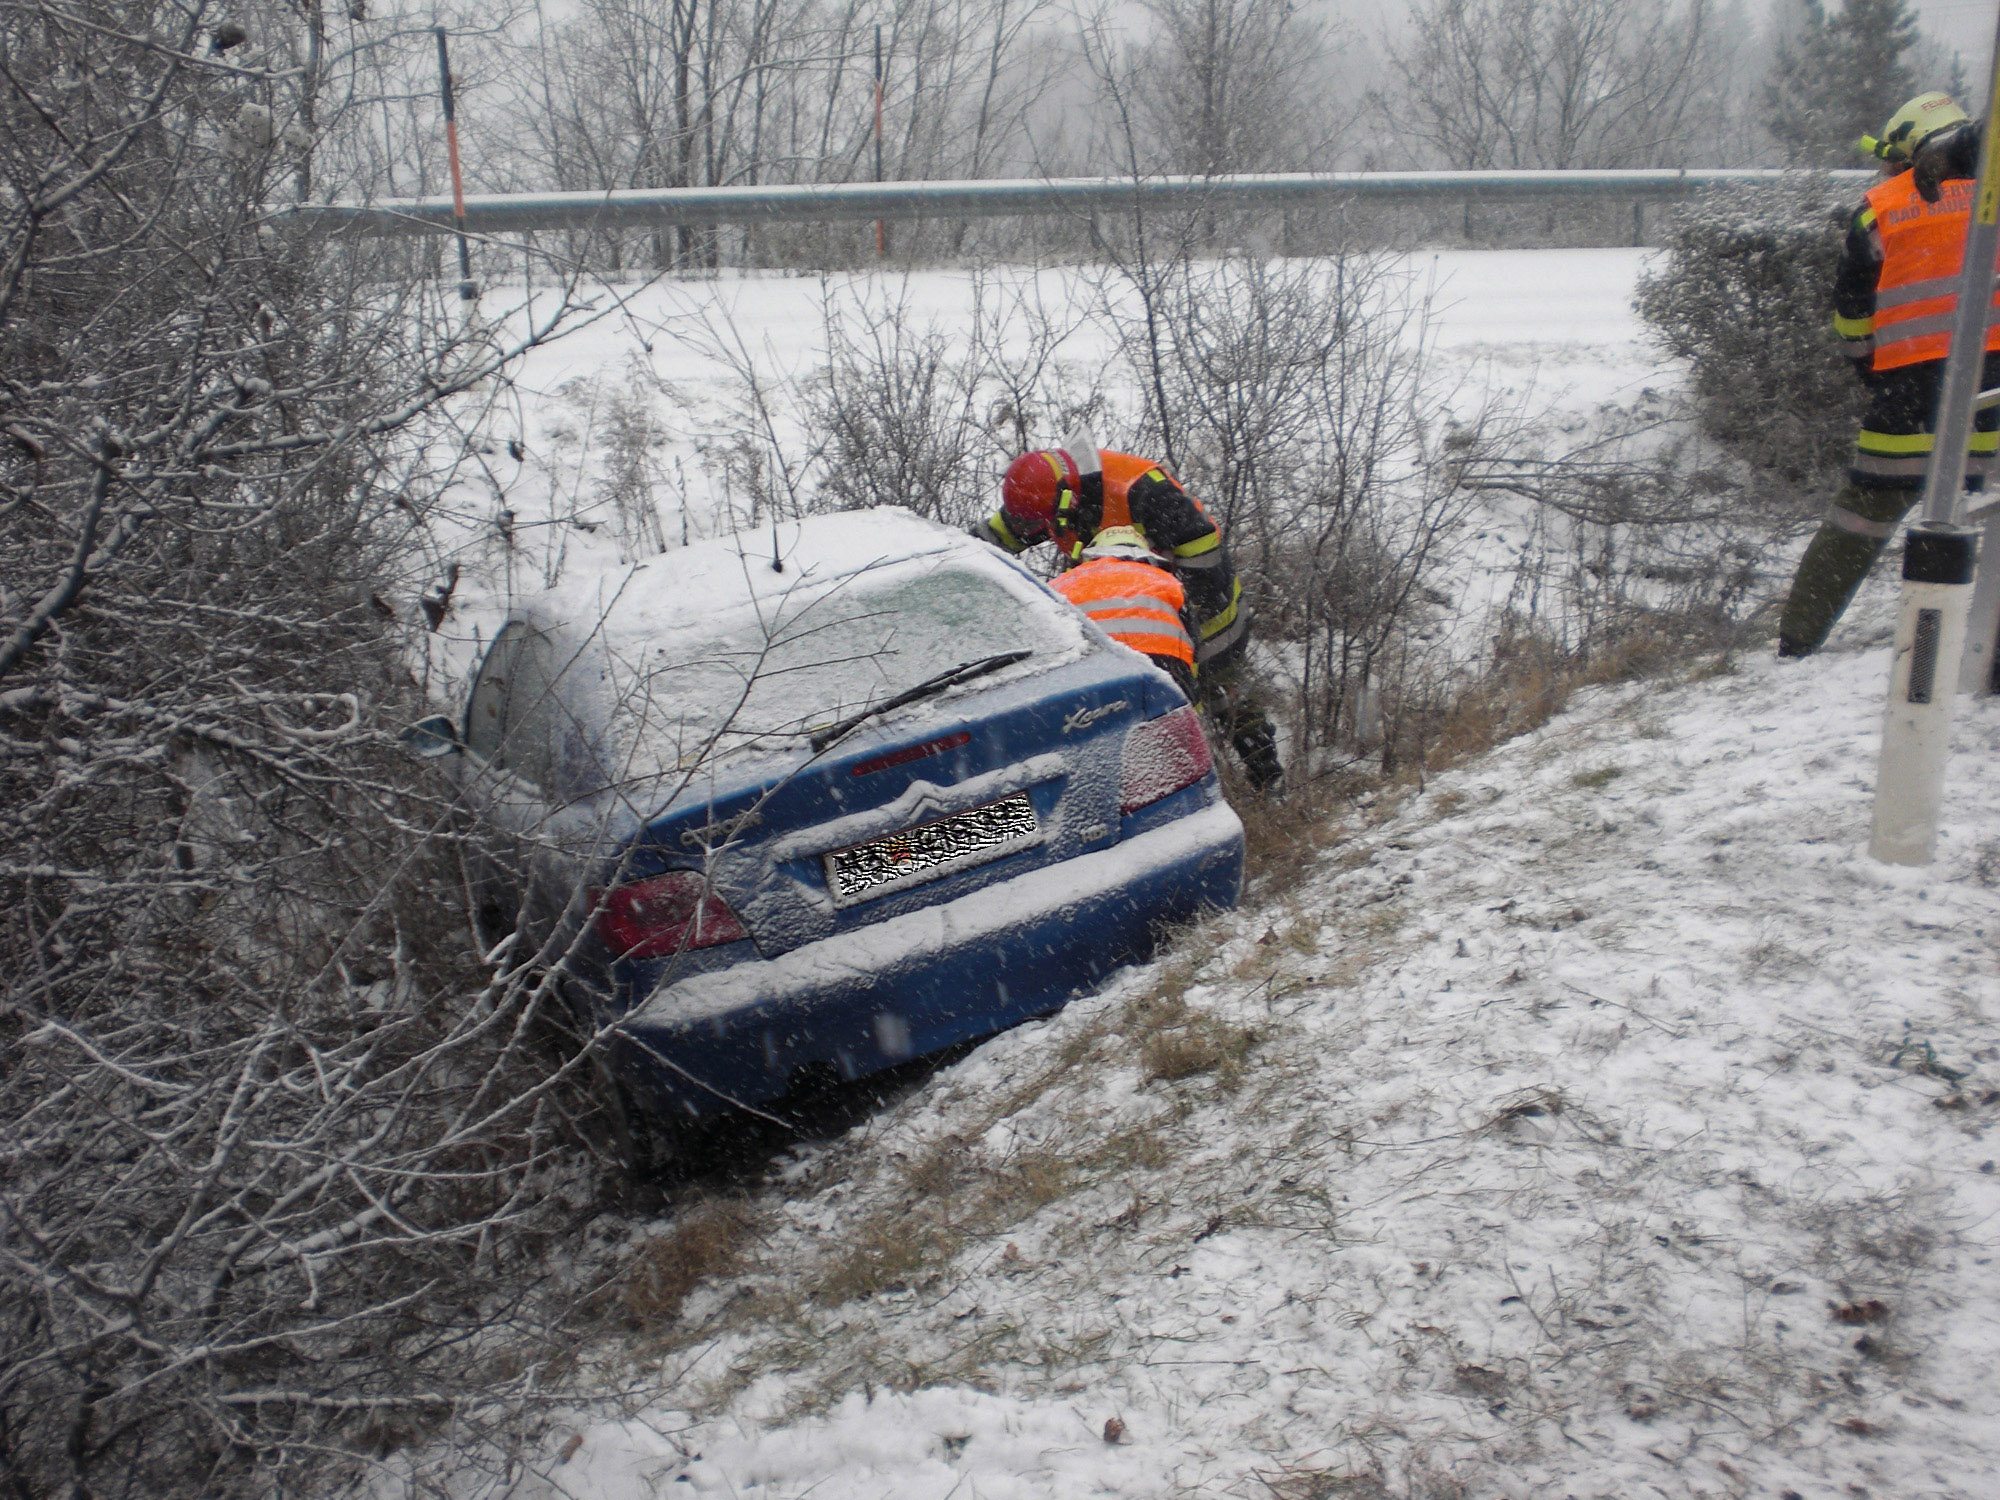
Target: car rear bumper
[[915, 983]]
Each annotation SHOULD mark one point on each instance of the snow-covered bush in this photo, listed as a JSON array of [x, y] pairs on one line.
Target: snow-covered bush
[[898, 408], [918, 413], [1745, 295], [271, 1132]]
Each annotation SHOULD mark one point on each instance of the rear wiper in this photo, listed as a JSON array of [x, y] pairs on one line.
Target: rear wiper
[[929, 687]]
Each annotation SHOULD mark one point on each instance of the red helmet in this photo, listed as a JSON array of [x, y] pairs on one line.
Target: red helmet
[[1032, 490]]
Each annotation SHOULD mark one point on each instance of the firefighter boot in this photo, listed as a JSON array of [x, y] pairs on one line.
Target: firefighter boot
[[1256, 745], [1852, 537]]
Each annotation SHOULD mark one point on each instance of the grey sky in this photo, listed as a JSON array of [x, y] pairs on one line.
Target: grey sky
[[1964, 24]]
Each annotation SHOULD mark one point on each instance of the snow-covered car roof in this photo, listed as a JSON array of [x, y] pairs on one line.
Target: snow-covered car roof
[[727, 644], [689, 586]]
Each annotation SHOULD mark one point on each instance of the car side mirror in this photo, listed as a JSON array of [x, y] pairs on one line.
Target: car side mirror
[[427, 739]]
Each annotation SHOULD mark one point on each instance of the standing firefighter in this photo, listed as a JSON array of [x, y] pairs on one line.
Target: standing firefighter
[[1894, 300], [1070, 495]]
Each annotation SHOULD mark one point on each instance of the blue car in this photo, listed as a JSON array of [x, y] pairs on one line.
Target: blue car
[[823, 797]]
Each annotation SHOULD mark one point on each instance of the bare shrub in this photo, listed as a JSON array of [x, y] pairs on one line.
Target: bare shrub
[[632, 467], [266, 1115], [899, 407], [907, 410], [605, 471], [927, 416], [762, 459], [1296, 398]]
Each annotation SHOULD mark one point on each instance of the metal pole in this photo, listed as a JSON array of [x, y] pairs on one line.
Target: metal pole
[[309, 93], [1938, 552], [468, 289], [881, 233], [1979, 668], [1944, 480]]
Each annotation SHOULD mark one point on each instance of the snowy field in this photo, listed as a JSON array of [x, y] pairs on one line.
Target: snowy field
[[1602, 1122], [1553, 330]]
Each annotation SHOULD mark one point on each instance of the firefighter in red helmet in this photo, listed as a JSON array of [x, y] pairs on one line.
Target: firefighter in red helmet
[[1068, 495]]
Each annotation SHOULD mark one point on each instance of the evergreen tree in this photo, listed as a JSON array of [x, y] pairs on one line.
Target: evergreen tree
[[1838, 76]]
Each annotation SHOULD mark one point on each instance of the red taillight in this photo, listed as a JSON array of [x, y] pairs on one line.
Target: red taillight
[[1162, 756], [671, 913]]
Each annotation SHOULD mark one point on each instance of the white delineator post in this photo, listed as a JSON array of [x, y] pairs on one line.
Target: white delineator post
[[1923, 681], [1939, 553]]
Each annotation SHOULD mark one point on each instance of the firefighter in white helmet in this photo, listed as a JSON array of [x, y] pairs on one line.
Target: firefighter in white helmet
[[1128, 591], [1894, 301]]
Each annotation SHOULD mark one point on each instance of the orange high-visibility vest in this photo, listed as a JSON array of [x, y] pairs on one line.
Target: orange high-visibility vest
[[1923, 250], [1135, 603], [1121, 470]]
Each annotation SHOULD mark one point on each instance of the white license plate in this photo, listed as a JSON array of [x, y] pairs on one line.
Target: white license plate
[[864, 871]]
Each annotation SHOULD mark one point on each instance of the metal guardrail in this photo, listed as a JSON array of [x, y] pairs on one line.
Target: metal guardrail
[[652, 208]]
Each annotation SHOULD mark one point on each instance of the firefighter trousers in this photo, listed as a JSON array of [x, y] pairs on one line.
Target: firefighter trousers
[[1227, 692], [1885, 476]]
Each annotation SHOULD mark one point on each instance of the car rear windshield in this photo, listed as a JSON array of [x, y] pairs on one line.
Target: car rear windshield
[[818, 654]]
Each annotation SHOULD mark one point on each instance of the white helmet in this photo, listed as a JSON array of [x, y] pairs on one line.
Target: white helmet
[[1122, 542]]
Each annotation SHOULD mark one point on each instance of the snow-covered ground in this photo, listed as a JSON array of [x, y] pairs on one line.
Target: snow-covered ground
[[1599, 1122], [1603, 1123]]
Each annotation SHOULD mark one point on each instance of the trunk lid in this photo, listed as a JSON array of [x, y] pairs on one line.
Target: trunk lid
[[919, 808]]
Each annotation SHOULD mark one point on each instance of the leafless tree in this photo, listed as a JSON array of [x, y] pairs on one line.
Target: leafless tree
[[1554, 83], [651, 93], [685, 93], [1302, 408], [922, 414], [1236, 86]]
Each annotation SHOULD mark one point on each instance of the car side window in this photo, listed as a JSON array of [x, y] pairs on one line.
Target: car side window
[[514, 714]]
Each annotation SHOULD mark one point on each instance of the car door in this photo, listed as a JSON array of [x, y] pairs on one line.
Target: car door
[[534, 764]]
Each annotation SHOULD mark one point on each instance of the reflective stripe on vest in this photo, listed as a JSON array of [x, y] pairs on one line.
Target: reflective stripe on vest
[[1134, 603], [1923, 250]]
